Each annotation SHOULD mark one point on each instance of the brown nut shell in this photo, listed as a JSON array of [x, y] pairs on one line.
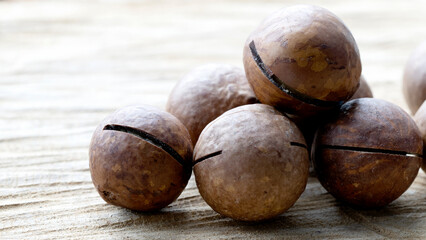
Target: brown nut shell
[[140, 158], [307, 51], [414, 81], [367, 179], [251, 163], [207, 92], [369, 154], [420, 119], [372, 123]]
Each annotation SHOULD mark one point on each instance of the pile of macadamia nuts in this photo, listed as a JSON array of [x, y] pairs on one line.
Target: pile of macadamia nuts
[[251, 136]]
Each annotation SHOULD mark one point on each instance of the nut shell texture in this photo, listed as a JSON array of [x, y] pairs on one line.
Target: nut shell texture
[[258, 174], [360, 156], [207, 92], [420, 119], [134, 173], [414, 83], [309, 49]]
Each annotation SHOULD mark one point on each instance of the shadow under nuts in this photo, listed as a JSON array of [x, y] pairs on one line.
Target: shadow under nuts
[[140, 158], [302, 60], [251, 163], [420, 119], [207, 92], [369, 154]]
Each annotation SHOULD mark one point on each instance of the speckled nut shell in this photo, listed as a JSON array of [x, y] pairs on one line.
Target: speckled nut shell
[[207, 92], [420, 119], [251, 163], [369, 154], [302, 60], [364, 90], [140, 158], [414, 83]]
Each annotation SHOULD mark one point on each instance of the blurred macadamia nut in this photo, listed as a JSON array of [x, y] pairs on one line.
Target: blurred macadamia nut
[[414, 83], [369, 153], [251, 163], [140, 158], [364, 90], [420, 119], [302, 60], [207, 92]]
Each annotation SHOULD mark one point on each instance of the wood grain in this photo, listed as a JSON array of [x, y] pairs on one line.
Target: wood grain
[[65, 65]]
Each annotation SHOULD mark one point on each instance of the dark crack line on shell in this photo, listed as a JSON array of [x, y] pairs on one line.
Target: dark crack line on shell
[[284, 87], [298, 144], [149, 138], [207, 157], [371, 150]]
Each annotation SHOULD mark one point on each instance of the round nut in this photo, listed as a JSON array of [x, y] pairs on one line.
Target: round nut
[[420, 119], [414, 82], [222, 86], [251, 163], [302, 60], [369, 154], [140, 158]]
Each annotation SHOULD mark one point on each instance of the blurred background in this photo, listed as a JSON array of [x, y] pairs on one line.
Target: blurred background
[[92, 55], [66, 64]]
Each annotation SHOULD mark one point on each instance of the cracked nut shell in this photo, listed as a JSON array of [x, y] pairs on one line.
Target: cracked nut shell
[[369, 154], [251, 163], [207, 92], [307, 51], [420, 119], [414, 81], [140, 158]]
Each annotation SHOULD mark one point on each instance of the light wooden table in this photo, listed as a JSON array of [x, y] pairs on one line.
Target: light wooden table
[[66, 64]]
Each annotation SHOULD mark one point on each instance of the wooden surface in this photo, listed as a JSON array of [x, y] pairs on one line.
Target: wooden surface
[[65, 65]]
